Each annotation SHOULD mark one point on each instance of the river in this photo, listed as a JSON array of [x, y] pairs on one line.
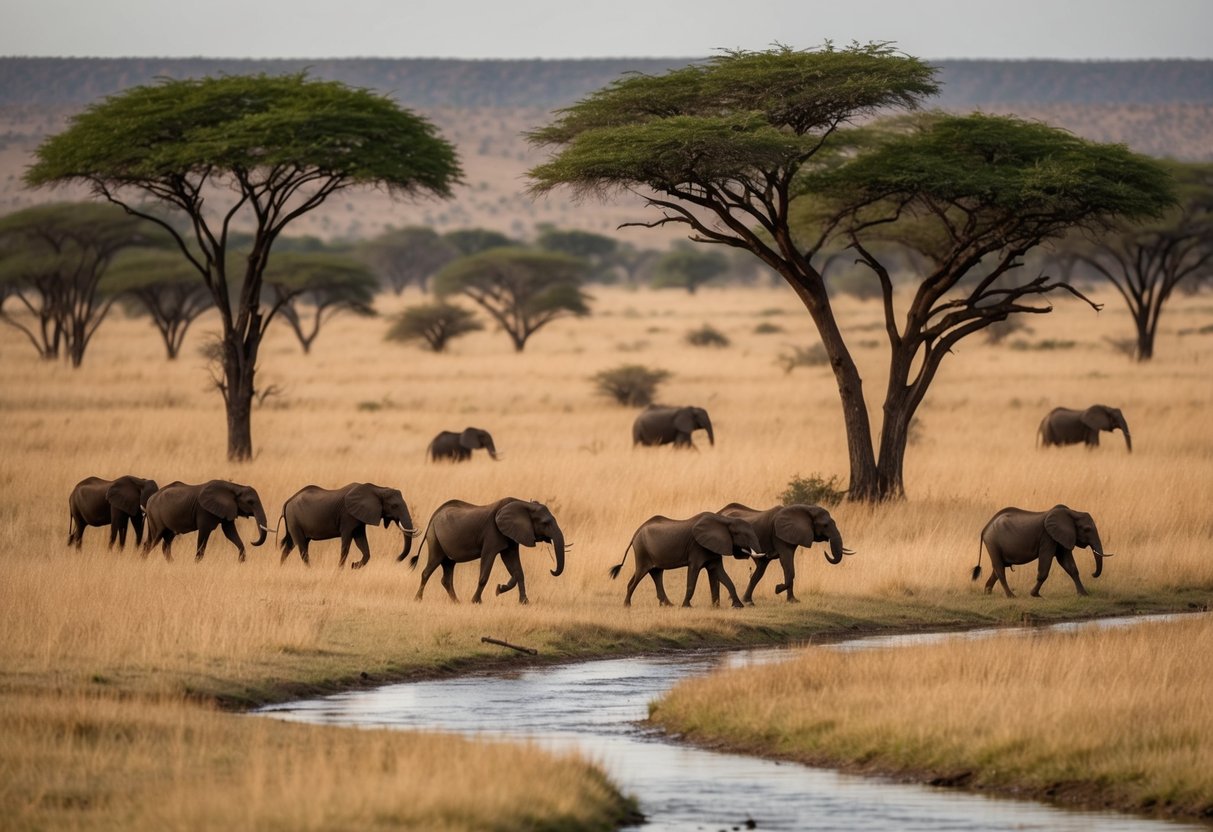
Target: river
[[597, 708]]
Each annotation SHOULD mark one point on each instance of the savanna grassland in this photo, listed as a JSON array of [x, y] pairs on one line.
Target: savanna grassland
[[116, 670]]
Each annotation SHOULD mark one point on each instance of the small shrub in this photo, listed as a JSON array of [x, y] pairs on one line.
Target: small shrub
[[633, 385], [1045, 345], [707, 336], [767, 328], [434, 323], [771, 312], [814, 356], [814, 491], [998, 332]]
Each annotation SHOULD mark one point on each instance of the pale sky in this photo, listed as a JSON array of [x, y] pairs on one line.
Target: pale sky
[[1068, 29]]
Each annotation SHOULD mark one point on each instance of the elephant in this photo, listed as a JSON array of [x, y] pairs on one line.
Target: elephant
[[179, 508], [697, 543], [1064, 426], [459, 532], [1016, 536], [315, 513], [458, 447], [780, 530], [96, 502], [663, 425]]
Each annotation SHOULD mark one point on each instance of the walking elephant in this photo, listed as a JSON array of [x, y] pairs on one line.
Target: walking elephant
[[179, 508], [1015, 536], [97, 502], [697, 543], [458, 446], [780, 530], [662, 425], [1064, 426], [460, 532], [315, 513]]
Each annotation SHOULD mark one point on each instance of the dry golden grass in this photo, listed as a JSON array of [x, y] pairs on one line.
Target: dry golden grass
[[360, 409], [1114, 718]]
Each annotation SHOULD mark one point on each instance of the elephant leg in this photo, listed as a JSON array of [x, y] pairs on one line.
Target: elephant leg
[[75, 532], [760, 568], [137, 523], [229, 531], [713, 587], [658, 576], [1042, 573], [360, 541], [692, 580], [437, 556], [634, 581], [993, 579], [167, 546], [204, 534], [514, 564], [717, 574], [448, 579], [788, 562], [115, 525], [347, 537], [486, 569], [303, 550], [1067, 563]]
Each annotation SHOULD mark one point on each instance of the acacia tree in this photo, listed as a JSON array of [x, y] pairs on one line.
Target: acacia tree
[[725, 147], [55, 258], [317, 286], [165, 287], [408, 255], [257, 150], [435, 323], [521, 289], [597, 250], [1147, 261]]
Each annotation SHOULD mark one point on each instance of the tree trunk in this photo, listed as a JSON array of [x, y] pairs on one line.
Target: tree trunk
[[238, 401], [1147, 328]]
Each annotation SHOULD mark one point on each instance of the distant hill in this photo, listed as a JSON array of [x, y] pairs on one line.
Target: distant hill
[[435, 83]]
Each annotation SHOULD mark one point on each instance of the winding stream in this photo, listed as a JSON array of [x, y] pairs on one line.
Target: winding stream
[[597, 708]]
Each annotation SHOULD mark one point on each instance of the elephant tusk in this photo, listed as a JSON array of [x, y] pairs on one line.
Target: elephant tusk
[[267, 529], [848, 551], [1105, 554]]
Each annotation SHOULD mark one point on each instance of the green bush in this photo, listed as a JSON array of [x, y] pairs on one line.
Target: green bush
[[633, 385], [813, 491], [767, 328], [707, 336]]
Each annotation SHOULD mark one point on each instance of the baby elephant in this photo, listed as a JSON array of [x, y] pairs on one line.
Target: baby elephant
[[697, 543], [315, 513], [1015, 536], [1064, 426], [458, 447], [661, 425], [98, 502], [460, 532]]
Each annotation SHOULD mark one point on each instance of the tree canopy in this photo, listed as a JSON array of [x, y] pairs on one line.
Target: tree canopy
[[522, 289], [684, 267], [469, 241], [410, 255], [434, 323], [755, 150], [309, 288], [253, 152], [165, 287]]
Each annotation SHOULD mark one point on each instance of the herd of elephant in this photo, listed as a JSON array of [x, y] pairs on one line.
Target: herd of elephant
[[460, 532]]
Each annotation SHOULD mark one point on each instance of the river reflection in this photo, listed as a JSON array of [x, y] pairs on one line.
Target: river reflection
[[597, 708]]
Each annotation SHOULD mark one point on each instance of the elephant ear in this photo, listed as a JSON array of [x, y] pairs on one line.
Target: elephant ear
[[1060, 526], [514, 521], [685, 421], [1097, 418], [713, 534], [470, 439], [219, 499], [794, 526], [363, 504], [124, 494]]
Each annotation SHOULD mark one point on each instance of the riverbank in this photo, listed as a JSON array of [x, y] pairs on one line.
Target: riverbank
[[1106, 719]]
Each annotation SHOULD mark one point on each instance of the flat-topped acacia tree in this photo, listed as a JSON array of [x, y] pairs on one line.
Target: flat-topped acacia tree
[[728, 147], [250, 152]]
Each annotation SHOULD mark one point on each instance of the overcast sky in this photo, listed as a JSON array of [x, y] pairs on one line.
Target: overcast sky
[[1073, 29]]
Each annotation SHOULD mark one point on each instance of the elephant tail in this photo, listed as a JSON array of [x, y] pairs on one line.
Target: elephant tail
[[424, 538], [977, 569], [285, 541], [614, 570]]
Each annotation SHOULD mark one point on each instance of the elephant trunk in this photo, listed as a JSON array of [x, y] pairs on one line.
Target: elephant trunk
[[259, 516], [492, 449], [707, 425], [1097, 550], [836, 551], [558, 545], [1124, 428]]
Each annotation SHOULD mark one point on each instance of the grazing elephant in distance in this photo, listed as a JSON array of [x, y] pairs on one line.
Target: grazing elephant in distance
[[315, 513], [96, 502], [1015, 536], [780, 530], [663, 425], [180, 509], [697, 543], [458, 447], [1064, 426], [460, 532]]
